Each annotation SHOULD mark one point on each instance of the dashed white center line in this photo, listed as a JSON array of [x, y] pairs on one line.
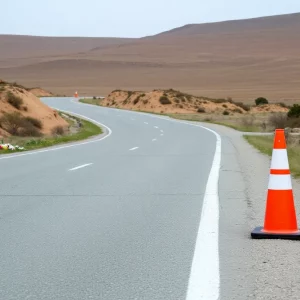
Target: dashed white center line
[[156, 127], [162, 131], [80, 167], [153, 140], [161, 134], [146, 123], [133, 148]]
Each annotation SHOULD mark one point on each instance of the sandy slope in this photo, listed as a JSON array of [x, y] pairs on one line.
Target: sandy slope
[[241, 59], [31, 107], [171, 101]]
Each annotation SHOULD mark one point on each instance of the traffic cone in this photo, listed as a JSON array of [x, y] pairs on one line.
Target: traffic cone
[[76, 95], [280, 218]]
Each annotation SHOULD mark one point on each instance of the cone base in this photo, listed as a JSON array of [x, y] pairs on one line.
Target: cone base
[[258, 233]]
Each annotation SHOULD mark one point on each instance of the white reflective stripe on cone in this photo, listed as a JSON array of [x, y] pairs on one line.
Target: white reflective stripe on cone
[[280, 182], [280, 160]]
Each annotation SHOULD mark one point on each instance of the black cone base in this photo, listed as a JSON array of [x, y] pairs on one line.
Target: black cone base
[[258, 233]]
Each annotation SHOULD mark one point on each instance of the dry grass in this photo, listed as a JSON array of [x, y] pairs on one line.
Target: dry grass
[[245, 123], [265, 145]]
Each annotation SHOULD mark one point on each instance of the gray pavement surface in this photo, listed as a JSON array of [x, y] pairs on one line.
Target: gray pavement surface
[[125, 226]]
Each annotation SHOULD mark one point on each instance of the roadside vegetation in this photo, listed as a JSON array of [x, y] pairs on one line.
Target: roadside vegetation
[[25, 132], [94, 101], [265, 145]]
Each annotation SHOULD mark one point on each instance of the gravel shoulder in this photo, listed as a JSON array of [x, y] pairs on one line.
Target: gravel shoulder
[[251, 269]]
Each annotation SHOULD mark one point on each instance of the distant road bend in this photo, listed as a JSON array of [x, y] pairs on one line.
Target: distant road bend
[[131, 216]]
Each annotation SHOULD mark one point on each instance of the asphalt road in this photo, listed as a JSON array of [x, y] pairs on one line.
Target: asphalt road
[[116, 218], [146, 211]]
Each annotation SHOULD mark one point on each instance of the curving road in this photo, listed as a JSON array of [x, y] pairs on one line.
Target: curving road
[[132, 214]]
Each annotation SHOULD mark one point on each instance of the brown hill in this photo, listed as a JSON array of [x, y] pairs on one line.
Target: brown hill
[[242, 59], [168, 101], [15, 98], [18, 50], [171, 101]]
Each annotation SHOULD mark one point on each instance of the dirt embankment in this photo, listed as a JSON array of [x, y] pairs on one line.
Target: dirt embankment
[[15, 98], [171, 101]]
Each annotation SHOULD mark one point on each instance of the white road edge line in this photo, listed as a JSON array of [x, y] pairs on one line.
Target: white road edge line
[[133, 148], [162, 131], [66, 146], [80, 167], [204, 282], [156, 127], [153, 140], [146, 123]]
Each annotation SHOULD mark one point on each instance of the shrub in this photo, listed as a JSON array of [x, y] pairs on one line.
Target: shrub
[[25, 108], [58, 130], [2, 89], [180, 106], [283, 105], [237, 110], [242, 105], [224, 105], [294, 111], [164, 100], [248, 121], [13, 100], [261, 101], [137, 99], [94, 97], [201, 110], [11, 122], [16, 124], [145, 101], [35, 122], [219, 100], [278, 120], [29, 130], [225, 112], [177, 100]]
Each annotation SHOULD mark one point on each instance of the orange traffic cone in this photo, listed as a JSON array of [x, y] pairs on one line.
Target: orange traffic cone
[[76, 95], [280, 218]]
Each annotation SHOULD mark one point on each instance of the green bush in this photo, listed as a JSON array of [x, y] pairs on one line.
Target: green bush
[[294, 111], [225, 112], [13, 100], [164, 100], [261, 101]]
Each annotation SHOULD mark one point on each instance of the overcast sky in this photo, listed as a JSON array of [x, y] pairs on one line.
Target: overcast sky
[[126, 18]]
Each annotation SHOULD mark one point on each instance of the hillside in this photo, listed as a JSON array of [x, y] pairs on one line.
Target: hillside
[[18, 50], [173, 102], [241, 59], [25, 105]]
